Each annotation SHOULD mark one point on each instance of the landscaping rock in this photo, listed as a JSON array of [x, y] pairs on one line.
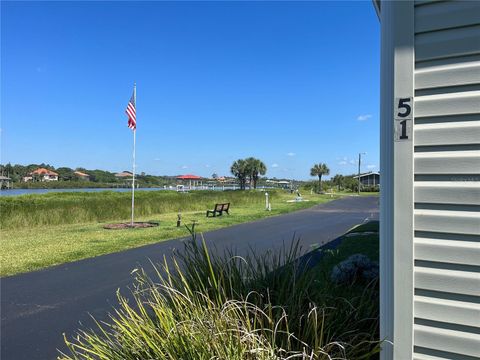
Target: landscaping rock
[[356, 267]]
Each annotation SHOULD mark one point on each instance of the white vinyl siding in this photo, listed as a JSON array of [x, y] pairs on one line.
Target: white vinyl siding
[[446, 129]]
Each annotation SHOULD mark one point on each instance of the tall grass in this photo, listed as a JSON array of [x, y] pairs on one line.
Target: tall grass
[[207, 306], [78, 207]]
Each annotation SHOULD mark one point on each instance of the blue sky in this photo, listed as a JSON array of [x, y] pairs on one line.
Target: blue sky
[[291, 83]]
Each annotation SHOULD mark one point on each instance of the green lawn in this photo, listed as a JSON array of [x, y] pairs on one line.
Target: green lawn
[[33, 247]]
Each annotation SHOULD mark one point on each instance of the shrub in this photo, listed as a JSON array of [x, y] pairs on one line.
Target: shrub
[[371, 188]]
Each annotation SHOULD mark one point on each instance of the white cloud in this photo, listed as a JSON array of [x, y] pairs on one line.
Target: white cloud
[[156, 159], [291, 154], [275, 165], [207, 166], [184, 167], [364, 117], [352, 162], [343, 162], [371, 166]]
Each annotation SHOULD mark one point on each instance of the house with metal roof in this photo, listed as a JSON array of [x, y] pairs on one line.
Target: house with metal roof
[[371, 178]]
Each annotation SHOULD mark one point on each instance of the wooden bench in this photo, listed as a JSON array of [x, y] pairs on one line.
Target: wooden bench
[[219, 209]]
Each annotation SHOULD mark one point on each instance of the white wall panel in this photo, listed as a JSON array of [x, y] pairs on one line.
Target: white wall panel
[[467, 73], [448, 251], [448, 311], [446, 15], [448, 192], [446, 280], [447, 133], [467, 102], [452, 341], [447, 162], [447, 43], [454, 222]]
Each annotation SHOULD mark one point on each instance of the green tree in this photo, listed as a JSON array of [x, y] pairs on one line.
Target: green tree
[[350, 183], [239, 170], [339, 181], [66, 174], [102, 176], [255, 167], [319, 170]]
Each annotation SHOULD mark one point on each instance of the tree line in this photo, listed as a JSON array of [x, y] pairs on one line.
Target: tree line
[[17, 172]]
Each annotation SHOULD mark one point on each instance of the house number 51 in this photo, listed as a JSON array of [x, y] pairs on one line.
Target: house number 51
[[403, 118]]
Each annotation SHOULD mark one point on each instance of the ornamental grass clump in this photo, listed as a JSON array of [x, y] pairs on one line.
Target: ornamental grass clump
[[204, 305]]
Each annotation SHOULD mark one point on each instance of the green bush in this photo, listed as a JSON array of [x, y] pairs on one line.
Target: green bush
[[207, 306], [370, 188]]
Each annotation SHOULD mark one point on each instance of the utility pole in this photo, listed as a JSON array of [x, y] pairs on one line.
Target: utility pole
[[359, 164]]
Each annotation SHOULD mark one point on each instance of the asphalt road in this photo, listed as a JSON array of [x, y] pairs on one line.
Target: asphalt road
[[36, 308]]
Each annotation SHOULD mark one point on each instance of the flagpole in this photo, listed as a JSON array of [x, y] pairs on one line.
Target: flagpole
[[133, 167]]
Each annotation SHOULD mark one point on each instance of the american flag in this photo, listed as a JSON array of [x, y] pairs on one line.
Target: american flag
[[132, 113]]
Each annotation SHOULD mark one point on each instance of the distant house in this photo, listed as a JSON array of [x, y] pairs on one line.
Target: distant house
[[82, 176], [226, 179], [124, 175], [371, 178], [42, 174], [284, 184]]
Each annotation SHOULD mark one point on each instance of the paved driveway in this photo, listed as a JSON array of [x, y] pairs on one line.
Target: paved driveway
[[36, 308]]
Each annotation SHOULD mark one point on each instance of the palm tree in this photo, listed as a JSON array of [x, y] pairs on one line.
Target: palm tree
[[319, 170], [255, 167], [239, 170]]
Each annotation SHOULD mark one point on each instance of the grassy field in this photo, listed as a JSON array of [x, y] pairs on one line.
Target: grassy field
[[84, 207], [38, 231]]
